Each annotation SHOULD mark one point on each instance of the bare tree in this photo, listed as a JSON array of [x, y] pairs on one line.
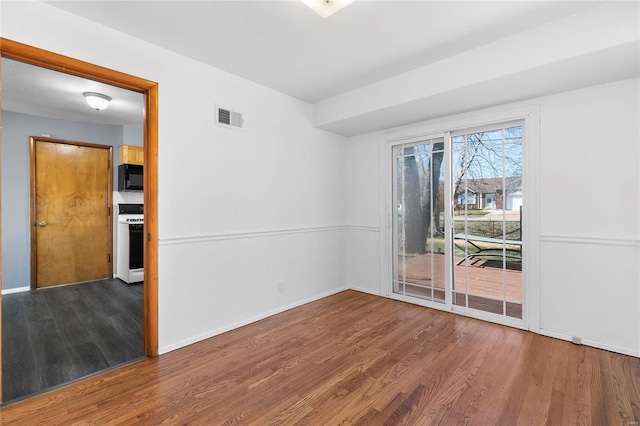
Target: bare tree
[[411, 209], [431, 195], [466, 159], [421, 215], [483, 156]]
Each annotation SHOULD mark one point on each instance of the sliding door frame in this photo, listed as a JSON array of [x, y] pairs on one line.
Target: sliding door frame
[[530, 116], [389, 209]]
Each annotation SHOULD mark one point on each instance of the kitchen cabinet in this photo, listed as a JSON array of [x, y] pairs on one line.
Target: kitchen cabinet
[[130, 154]]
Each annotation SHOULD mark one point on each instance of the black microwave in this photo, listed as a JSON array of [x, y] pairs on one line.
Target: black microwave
[[130, 177]]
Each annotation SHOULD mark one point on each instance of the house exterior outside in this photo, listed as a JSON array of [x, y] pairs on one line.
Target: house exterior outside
[[490, 194]]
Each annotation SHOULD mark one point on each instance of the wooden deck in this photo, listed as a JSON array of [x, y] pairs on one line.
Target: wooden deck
[[356, 359], [483, 280]]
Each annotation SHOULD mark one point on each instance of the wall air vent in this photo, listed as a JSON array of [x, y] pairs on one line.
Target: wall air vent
[[225, 117]]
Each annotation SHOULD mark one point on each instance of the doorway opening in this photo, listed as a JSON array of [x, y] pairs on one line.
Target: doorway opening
[[33, 56]]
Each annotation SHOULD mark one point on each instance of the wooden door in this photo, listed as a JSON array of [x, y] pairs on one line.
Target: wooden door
[[71, 212]]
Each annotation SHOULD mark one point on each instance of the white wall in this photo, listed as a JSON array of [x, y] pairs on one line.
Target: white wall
[[364, 205], [238, 211], [590, 228], [591, 240]]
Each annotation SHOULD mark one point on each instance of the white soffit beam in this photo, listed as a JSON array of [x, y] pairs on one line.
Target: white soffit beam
[[596, 30], [571, 74]]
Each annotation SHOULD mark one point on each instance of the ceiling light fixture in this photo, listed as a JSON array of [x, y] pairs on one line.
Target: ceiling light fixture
[[97, 101], [326, 8]]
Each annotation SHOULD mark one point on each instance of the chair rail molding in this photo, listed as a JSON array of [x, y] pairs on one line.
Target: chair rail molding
[[249, 234], [571, 239]]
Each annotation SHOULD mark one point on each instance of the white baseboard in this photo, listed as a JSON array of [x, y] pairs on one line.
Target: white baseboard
[[212, 333], [549, 333], [15, 290], [611, 348], [215, 332], [364, 290], [592, 343], [555, 335]]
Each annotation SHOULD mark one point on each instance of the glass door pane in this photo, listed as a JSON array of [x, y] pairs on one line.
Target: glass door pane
[[487, 222], [418, 220]]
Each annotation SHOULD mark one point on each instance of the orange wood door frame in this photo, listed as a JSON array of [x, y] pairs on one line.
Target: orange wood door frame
[[43, 58]]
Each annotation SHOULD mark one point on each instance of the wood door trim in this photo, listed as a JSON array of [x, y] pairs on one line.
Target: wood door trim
[[0, 230], [32, 190], [43, 58]]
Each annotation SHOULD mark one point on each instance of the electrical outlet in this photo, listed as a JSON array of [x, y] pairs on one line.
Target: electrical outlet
[[280, 286]]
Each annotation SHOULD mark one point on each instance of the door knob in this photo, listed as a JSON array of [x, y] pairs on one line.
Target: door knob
[[42, 223]]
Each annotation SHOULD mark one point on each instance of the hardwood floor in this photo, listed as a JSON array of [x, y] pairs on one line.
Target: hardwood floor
[[356, 359], [56, 335]]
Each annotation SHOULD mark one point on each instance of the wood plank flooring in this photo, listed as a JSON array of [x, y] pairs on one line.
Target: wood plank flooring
[[356, 359], [59, 334]]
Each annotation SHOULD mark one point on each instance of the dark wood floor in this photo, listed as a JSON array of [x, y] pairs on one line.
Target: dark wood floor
[[59, 334], [356, 359]]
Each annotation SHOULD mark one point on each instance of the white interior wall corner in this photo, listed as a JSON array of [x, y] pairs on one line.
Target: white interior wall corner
[[589, 165]]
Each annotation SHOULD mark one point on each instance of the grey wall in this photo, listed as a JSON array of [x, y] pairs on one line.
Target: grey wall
[[16, 130], [132, 135]]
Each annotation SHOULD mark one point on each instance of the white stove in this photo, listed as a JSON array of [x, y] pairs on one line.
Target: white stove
[[130, 243], [131, 219]]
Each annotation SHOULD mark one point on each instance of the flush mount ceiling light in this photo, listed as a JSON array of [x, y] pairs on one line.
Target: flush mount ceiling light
[[97, 101], [326, 8]]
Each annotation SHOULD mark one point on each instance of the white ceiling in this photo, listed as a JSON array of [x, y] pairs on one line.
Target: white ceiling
[[283, 44], [286, 46], [38, 91]]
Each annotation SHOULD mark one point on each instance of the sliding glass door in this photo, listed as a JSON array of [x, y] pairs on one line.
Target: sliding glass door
[[456, 222], [487, 220], [418, 220]]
